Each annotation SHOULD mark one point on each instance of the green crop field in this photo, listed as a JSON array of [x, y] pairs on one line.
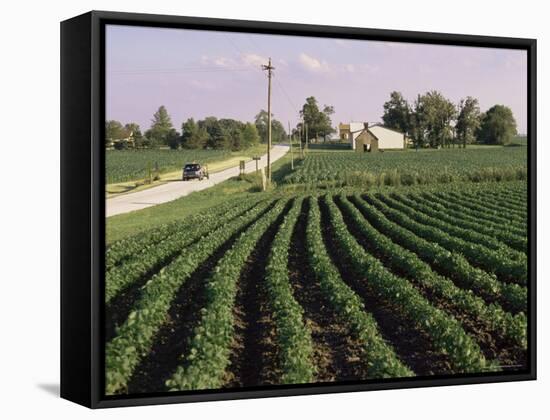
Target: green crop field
[[131, 165], [411, 167], [285, 287]]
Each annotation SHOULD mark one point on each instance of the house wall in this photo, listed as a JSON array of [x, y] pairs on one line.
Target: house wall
[[365, 138], [355, 128], [388, 139]]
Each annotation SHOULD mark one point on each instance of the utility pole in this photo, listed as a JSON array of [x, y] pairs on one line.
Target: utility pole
[[307, 139], [301, 137], [290, 141], [269, 69]]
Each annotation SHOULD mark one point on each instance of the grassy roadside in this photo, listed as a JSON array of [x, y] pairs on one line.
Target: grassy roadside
[[115, 189], [123, 225]]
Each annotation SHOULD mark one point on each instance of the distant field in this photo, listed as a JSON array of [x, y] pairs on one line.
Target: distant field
[[520, 140], [411, 167], [130, 165]]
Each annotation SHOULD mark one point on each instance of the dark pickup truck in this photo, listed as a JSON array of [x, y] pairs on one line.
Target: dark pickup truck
[[194, 170]]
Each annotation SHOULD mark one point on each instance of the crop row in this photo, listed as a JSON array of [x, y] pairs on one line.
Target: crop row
[[209, 353], [295, 348], [512, 197], [495, 215], [434, 208], [448, 263], [135, 337], [120, 277], [461, 211], [466, 234], [400, 260], [478, 255], [382, 362], [508, 200], [517, 216], [135, 245], [410, 168], [446, 333]]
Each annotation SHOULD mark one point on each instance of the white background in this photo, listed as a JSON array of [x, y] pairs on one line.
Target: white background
[[29, 231]]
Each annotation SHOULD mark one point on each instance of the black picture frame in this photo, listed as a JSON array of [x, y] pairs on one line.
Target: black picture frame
[[83, 203]]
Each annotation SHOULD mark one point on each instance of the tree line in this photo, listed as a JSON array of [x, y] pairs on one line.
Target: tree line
[[208, 133], [434, 121]]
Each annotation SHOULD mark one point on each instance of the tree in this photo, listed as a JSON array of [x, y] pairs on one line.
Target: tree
[[161, 124], [498, 125], [416, 125], [133, 130], [133, 133], [250, 135], [318, 122], [434, 116], [397, 113], [173, 139], [192, 136], [149, 141], [217, 138], [468, 121], [232, 133], [278, 133], [113, 131]]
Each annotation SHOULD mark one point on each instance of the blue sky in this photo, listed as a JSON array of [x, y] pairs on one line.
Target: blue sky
[[201, 73]]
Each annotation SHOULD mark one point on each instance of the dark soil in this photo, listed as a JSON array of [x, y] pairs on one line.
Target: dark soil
[[338, 355], [492, 345], [173, 339], [413, 346], [253, 359]]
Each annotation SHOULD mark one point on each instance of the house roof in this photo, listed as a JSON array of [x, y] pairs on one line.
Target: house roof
[[370, 126]]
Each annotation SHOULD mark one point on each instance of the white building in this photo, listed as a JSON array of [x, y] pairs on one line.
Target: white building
[[372, 136]]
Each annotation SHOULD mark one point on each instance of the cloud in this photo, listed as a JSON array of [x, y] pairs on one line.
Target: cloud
[[244, 60], [251, 59], [217, 61], [313, 64]]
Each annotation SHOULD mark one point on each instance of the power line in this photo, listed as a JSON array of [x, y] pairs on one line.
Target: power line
[[179, 70], [294, 108]]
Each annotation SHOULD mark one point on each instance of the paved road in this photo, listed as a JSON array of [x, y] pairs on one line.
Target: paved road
[[175, 189]]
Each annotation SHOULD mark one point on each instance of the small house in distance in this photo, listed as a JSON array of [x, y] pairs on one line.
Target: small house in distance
[[371, 138]]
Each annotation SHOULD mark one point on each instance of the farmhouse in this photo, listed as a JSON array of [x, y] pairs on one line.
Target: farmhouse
[[371, 138]]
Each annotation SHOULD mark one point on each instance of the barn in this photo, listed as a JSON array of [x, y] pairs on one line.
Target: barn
[[366, 138]]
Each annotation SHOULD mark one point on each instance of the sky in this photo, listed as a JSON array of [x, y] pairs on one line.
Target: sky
[[204, 73]]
